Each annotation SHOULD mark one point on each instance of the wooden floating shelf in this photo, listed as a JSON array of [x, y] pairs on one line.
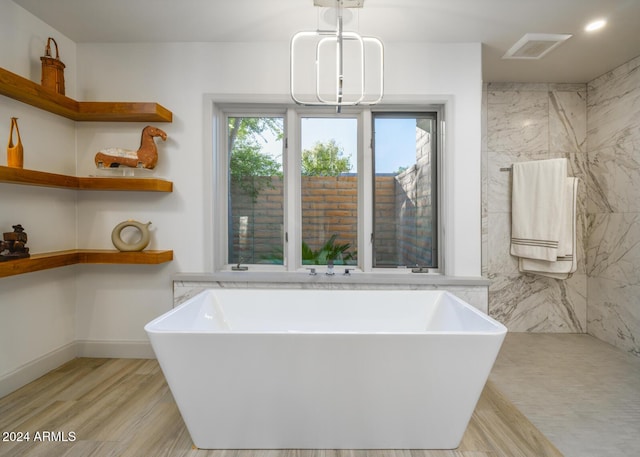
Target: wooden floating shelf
[[57, 259], [26, 91], [44, 179]]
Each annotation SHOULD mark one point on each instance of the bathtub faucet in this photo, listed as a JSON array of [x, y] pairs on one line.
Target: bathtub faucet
[[330, 271]]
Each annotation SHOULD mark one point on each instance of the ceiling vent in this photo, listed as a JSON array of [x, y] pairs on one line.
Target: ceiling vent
[[535, 45], [335, 3]]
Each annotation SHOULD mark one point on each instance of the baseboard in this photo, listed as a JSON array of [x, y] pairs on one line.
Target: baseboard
[[32, 370], [115, 349]]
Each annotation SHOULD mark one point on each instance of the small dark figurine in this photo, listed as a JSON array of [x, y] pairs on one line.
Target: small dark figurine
[[13, 244]]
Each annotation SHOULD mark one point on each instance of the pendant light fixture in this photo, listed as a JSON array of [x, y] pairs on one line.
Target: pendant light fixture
[[335, 67]]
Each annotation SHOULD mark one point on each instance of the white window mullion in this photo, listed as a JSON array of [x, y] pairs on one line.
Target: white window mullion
[[221, 172], [292, 164], [365, 191]]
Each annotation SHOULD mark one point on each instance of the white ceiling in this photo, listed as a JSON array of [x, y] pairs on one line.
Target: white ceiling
[[498, 24]]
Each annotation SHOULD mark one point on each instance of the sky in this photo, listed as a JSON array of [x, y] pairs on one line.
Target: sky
[[395, 144]]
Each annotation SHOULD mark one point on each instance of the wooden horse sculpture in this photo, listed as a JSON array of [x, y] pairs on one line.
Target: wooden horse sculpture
[[145, 157]]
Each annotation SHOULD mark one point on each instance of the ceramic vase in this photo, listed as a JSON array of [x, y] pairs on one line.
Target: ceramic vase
[[135, 246]]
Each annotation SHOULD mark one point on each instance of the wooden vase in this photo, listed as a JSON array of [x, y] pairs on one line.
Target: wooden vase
[[15, 157], [52, 69]]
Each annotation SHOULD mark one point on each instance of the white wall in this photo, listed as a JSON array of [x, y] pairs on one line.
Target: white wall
[[178, 75], [112, 303], [37, 310]]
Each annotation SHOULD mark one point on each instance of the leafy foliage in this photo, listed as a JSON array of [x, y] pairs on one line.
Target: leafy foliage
[[330, 250], [252, 170], [249, 167], [325, 159], [243, 129]]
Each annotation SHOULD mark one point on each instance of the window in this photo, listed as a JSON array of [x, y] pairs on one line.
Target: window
[[405, 195], [329, 190], [301, 187], [256, 190]]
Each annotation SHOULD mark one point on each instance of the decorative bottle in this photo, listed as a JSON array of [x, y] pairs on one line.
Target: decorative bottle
[[15, 156]]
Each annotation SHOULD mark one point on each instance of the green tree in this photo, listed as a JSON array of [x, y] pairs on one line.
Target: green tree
[[248, 128], [249, 167], [325, 159]]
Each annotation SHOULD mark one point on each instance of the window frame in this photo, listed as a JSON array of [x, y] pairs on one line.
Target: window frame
[[250, 112], [349, 113], [217, 182], [436, 115]]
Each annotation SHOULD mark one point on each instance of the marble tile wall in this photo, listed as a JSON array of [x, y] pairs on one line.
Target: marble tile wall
[[524, 122], [613, 247], [597, 127]]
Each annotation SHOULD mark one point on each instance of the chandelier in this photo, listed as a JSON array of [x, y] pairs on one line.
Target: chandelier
[[336, 67]]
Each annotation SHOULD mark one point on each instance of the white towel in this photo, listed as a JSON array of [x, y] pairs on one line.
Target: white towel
[[566, 262], [536, 208]]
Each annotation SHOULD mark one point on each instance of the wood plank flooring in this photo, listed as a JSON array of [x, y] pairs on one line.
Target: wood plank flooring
[[123, 407]]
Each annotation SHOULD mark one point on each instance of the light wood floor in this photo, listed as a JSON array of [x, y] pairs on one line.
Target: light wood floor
[[123, 407]]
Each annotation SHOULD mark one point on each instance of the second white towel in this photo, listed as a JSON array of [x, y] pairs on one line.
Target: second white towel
[[566, 262]]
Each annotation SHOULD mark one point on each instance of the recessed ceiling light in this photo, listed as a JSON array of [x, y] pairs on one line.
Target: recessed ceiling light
[[595, 25]]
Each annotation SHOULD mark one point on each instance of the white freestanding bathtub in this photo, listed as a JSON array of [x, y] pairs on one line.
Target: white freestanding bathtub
[[325, 369]]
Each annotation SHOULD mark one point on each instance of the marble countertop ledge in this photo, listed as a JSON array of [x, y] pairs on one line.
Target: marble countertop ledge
[[338, 278]]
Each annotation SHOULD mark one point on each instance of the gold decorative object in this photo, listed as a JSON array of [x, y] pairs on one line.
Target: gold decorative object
[[52, 69], [145, 157], [15, 156], [139, 245]]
